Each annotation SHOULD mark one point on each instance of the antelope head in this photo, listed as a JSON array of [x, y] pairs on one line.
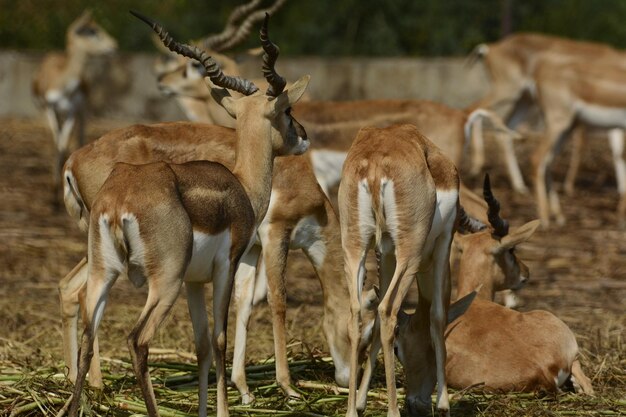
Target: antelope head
[[488, 256], [287, 135], [84, 34]]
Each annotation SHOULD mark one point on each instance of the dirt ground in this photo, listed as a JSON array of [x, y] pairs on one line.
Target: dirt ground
[[578, 272]]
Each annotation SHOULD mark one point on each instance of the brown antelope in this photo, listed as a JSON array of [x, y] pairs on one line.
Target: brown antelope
[[484, 344], [299, 217], [399, 193], [190, 87], [192, 222], [335, 124], [513, 63], [584, 94], [61, 89]]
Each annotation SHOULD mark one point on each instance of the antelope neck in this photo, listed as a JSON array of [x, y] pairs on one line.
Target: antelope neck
[[254, 163]]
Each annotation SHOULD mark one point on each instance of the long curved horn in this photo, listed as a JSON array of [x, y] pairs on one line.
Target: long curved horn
[[468, 224], [276, 82], [213, 70], [246, 27], [500, 226], [213, 42]]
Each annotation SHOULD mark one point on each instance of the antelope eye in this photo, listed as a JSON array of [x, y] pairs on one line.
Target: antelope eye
[[86, 31], [198, 67]]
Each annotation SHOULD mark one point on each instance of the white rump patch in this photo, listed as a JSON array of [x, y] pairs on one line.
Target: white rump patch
[[367, 223], [390, 208], [110, 255]]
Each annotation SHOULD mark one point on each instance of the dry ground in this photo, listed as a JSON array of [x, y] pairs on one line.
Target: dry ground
[[578, 273]]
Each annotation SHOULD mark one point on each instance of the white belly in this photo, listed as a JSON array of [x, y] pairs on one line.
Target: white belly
[[601, 116]]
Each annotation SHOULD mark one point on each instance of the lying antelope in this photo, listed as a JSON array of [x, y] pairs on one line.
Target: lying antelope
[[484, 344], [61, 89], [298, 217], [579, 93], [399, 193], [192, 222]]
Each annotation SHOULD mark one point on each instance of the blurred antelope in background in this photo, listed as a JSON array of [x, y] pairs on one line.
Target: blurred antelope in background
[[185, 78], [488, 345], [579, 93], [518, 66], [60, 87], [192, 222], [334, 124], [400, 194]]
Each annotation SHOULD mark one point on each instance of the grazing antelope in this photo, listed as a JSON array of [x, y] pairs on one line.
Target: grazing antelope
[[489, 345], [192, 222], [399, 193], [60, 87], [578, 93]]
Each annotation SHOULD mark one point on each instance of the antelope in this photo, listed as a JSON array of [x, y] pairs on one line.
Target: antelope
[[335, 124], [298, 217], [512, 64], [60, 88], [166, 223], [192, 99], [489, 345], [399, 193], [583, 94]]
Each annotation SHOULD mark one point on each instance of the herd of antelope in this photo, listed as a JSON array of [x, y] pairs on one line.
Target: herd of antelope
[[222, 199]]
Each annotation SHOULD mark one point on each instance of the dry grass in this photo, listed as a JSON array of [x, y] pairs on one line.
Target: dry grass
[[578, 273]]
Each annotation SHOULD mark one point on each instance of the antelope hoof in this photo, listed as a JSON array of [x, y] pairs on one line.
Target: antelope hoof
[[247, 398], [294, 396]]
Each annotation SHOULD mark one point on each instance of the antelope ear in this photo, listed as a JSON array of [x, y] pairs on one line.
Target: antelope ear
[[370, 302], [224, 99], [459, 307], [403, 320], [460, 241], [291, 96], [519, 235]]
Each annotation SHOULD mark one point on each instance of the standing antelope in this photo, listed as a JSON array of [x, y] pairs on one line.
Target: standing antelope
[[190, 88], [300, 217], [400, 193], [60, 86], [297, 218], [192, 222], [489, 345], [335, 124], [513, 66], [579, 93]]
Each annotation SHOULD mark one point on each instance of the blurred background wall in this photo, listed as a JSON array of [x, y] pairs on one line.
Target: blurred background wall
[[354, 49]]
